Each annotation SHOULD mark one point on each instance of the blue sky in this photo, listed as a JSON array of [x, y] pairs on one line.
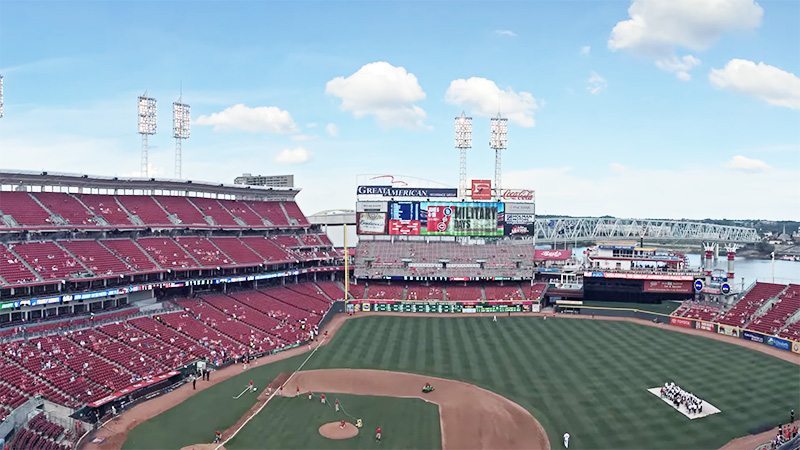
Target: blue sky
[[675, 109]]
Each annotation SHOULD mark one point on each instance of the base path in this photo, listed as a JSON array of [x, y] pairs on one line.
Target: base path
[[471, 417]]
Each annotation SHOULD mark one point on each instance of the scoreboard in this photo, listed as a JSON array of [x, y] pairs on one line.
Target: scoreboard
[[440, 307]]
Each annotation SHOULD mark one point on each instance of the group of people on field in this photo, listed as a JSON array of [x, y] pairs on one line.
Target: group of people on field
[[679, 397]]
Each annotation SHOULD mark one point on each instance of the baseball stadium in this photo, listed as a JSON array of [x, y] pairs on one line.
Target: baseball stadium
[[141, 313]]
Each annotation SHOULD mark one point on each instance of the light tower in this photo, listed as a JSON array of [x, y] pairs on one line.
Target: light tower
[[1, 96], [147, 125], [463, 142], [499, 142], [181, 122]]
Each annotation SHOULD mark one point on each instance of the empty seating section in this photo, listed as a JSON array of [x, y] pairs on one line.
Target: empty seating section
[[158, 350], [212, 208], [325, 240], [742, 312], [467, 293], [129, 252], [310, 240], [700, 311], [534, 292], [48, 260], [271, 211], [385, 291], [10, 397], [25, 439], [38, 357], [24, 209], [297, 299], [294, 213], [118, 365], [285, 241], [219, 345], [96, 257], [144, 207], [268, 250], [170, 336], [277, 310], [787, 304], [237, 250], [507, 292], [167, 253], [356, 290], [186, 212], [204, 251], [45, 427], [28, 384], [106, 206], [333, 290], [311, 290], [242, 211], [65, 206], [254, 340], [250, 316], [420, 292], [12, 269]]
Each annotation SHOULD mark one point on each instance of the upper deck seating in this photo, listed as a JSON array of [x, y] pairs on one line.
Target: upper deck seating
[[24, 209]]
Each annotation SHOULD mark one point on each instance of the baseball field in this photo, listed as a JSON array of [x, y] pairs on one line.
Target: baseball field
[[585, 377]]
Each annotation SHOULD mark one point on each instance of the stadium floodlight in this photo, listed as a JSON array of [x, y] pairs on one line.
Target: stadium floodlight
[[147, 126], [463, 129], [181, 122], [1, 96], [499, 142]]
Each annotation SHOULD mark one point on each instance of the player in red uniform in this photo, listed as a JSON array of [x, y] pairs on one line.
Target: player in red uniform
[[252, 388], [378, 435], [341, 425], [322, 399]]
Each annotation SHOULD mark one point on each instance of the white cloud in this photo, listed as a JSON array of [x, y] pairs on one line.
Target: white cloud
[[304, 137], [297, 155], [617, 167], [381, 90], [482, 97], [311, 125], [679, 66], [766, 82], [746, 164], [267, 119], [332, 130], [508, 33], [597, 84], [656, 28], [586, 49]]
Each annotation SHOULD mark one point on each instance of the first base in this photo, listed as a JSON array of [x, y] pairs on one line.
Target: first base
[[708, 408]]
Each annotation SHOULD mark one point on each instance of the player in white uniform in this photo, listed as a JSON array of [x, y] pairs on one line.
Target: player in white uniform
[[566, 440]]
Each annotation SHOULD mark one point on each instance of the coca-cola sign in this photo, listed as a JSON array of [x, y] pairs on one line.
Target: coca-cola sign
[[520, 195]]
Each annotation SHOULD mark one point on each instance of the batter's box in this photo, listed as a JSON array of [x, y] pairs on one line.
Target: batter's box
[[708, 408]]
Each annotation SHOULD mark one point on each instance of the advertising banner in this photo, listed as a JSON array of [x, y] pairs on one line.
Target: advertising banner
[[517, 195], [796, 347], [371, 206], [518, 219], [728, 330], [371, 223], [461, 219], [518, 230], [706, 326], [405, 227], [668, 286], [552, 255], [755, 337], [782, 344], [407, 192], [520, 208], [680, 321], [481, 189], [638, 276]]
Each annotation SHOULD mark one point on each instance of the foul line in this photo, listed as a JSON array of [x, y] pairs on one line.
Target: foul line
[[271, 395]]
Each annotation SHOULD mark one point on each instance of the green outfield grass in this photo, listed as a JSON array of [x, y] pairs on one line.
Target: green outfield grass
[[667, 307], [293, 423], [585, 377]]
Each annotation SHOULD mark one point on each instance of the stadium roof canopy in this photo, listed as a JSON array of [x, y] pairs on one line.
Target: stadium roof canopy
[[91, 184]]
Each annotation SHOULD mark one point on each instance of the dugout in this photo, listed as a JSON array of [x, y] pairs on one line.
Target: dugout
[[131, 396]]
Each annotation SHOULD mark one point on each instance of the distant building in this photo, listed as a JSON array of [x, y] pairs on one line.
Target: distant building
[[286, 181]]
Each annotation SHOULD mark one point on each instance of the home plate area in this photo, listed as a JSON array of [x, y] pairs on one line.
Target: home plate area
[[708, 408]]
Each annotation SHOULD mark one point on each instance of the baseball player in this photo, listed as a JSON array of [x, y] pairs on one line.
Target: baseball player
[[322, 399], [298, 391], [217, 437], [269, 389], [309, 395], [494, 318], [341, 425], [566, 440], [280, 390], [378, 435], [252, 388], [336, 405]]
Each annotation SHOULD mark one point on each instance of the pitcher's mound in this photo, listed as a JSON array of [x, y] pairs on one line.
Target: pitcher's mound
[[333, 430]]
